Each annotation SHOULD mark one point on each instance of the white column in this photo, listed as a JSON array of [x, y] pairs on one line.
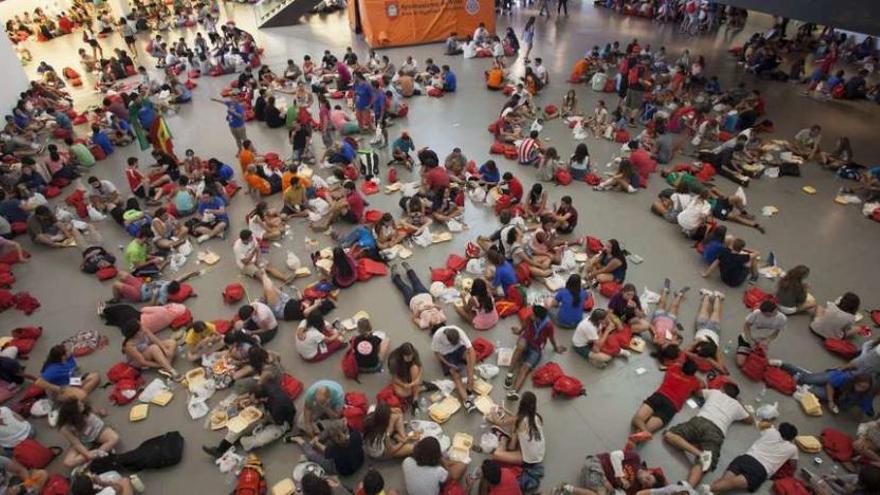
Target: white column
[[14, 78]]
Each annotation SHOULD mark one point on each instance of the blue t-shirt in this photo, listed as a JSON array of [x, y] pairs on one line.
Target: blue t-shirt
[[874, 172], [711, 250], [184, 202], [570, 312], [379, 103], [146, 115], [365, 238], [63, 120], [839, 379], [449, 82], [404, 145], [59, 373], [505, 276], [225, 172], [363, 94], [337, 394], [214, 203], [11, 210], [235, 115], [348, 152], [103, 141], [162, 294], [490, 176]]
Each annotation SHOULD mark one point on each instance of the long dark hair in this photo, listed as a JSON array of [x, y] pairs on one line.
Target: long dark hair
[[56, 355], [848, 388], [581, 152], [528, 411], [535, 193], [794, 277], [376, 423], [69, 414], [258, 358], [398, 365], [341, 265], [481, 291], [573, 284]]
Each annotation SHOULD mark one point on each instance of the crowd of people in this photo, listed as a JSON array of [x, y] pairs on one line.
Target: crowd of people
[[527, 269]]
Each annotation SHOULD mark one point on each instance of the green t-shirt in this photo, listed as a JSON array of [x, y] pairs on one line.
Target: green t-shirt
[[689, 181], [135, 252], [83, 156]]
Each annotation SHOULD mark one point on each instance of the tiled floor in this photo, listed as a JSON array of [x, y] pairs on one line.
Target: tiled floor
[[835, 241]]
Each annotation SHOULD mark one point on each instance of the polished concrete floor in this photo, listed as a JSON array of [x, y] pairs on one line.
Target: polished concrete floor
[[835, 241]]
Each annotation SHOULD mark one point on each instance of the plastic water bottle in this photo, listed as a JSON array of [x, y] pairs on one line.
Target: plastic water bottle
[[762, 393], [728, 347]]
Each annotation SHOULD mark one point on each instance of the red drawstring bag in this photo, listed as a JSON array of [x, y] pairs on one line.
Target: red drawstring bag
[[107, 273], [563, 177], [291, 386], [523, 274], [122, 371], [56, 485], [875, 317], [718, 381], [387, 396], [755, 365], [233, 293], [222, 326], [373, 216], [551, 110], [568, 386], [589, 302], [355, 410], [592, 179], [183, 320], [472, 250], [336, 95], [510, 152], [837, 444], [456, 263], [122, 391], [435, 92], [444, 275], [34, 455], [372, 267], [790, 486], [497, 148], [754, 296], [7, 279], [524, 314], [843, 348], [482, 348], [502, 203], [27, 332], [777, 379], [546, 375], [369, 187], [7, 300], [593, 244], [186, 291], [506, 308], [26, 303], [392, 175], [493, 127], [608, 289], [24, 346], [190, 84], [349, 364]]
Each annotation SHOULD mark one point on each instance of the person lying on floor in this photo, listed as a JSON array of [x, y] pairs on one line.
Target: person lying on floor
[[679, 383], [155, 293], [664, 319], [840, 390], [615, 471], [772, 450], [425, 312]]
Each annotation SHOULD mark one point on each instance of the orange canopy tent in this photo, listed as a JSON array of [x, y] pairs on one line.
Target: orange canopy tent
[[410, 22]]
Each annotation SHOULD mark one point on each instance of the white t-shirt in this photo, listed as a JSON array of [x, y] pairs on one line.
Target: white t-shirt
[[440, 344], [310, 347], [834, 323], [12, 430], [242, 250], [264, 316], [423, 480], [763, 326], [469, 50], [772, 451], [585, 333], [107, 188], [532, 449], [721, 409], [706, 335], [693, 214], [541, 72]]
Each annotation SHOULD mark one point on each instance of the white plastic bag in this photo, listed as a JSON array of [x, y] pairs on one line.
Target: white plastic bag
[[454, 225], [649, 297], [478, 195], [768, 412], [41, 408], [424, 239], [475, 266], [176, 262], [567, 263], [488, 442], [436, 289], [488, 371], [579, 132], [197, 408], [154, 388], [94, 214], [185, 249], [293, 261], [229, 461]]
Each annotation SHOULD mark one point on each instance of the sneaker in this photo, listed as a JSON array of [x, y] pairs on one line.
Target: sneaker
[[718, 295], [469, 405], [706, 292], [774, 362], [212, 451], [705, 490], [683, 290], [508, 380], [625, 353], [512, 396], [631, 190], [706, 460], [667, 283], [202, 238], [640, 437]]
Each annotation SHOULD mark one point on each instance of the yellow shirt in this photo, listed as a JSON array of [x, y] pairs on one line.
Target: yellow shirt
[[192, 337]]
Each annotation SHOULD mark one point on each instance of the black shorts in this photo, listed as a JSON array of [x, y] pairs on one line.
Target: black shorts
[[349, 217], [662, 406], [93, 43], [129, 40], [749, 468]]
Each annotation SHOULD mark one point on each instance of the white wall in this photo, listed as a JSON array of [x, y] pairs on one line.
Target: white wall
[[14, 79]]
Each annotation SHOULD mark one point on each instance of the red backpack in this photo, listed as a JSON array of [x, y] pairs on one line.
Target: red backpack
[[523, 274], [118, 395], [790, 486], [349, 365], [482, 348], [392, 176], [754, 296], [122, 371], [777, 379], [755, 365], [568, 386], [563, 177], [608, 289], [34, 455], [837, 444], [186, 291], [27, 332], [291, 386], [546, 375], [875, 317], [843, 348], [719, 381], [355, 410], [250, 482], [233, 293], [56, 485], [388, 396]]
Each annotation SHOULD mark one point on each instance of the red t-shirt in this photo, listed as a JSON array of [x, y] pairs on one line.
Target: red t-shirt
[[537, 337], [643, 165], [437, 178], [509, 484], [356, 205], [677, 386], [135, 178], [516, 189]]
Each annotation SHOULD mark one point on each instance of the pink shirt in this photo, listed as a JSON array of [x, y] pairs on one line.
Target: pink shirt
[[338, 119], [156, 318]]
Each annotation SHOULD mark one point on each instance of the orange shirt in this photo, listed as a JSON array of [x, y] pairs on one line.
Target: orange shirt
[[495, 78], [245, 158]]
